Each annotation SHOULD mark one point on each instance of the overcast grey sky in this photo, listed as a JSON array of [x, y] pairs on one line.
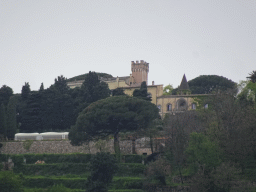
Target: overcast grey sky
[[42, 39]]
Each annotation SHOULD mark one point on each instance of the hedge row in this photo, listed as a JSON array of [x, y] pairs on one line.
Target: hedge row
[[81, 190], [53, 169], [46, 190], [63, 158], [44, 182], [125, 169], [127, 183], [130, 169], [79, 183]]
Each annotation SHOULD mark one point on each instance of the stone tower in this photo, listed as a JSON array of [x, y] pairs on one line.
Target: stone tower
[[139, 72]]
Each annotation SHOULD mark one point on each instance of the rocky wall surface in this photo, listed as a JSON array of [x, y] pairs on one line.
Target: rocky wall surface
[[63, 146]]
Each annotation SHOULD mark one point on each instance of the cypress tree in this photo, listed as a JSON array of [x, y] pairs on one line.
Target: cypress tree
[[3, 125], [11, 118], [25, 91]]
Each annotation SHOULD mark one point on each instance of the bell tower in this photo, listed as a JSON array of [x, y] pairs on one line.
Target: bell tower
[[140, 72]]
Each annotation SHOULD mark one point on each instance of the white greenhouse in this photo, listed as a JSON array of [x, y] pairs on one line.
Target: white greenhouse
[[41, 136]]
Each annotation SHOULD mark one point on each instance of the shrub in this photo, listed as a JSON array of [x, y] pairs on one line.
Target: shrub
[[27, 144], [58, 158], [157, 171], [9, 182], [56, 188], [102, 167], [133, 158], [44, 182], [130, 169], [54, 169]]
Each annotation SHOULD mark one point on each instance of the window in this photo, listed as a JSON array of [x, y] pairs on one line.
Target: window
[[169, 107], [159, 107], [181, 105], [206, 106], [193, 106]]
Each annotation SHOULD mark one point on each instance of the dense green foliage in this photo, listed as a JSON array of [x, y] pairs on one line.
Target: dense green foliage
[[64, 158], [220, 150], [5, 94], [25, 91], [111, 116], [117, 92], [82, 169], [11, 117], [202, 153], [82, 77], [102, 168], [3, 125], [206, 84], [252, 77], [142, 93], [74, 176], [168, 90], [9, 182], [56, 108]]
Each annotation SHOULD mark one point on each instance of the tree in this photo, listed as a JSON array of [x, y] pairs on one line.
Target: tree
[[11, 117], [178, 128], [61, 84], [3, 126], [111, 116], [202, 153], [102, 167], [252, 77], [157, 171], [41, 87], [118, 91], [9, 182], [5, 94], [25, 91], [232, 125], [142, 93], [206, 84], [30, 117], [247, 93], [56, 110], [168, 90], [93, 89]]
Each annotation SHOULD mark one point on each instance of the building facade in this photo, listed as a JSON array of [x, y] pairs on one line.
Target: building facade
[[172, 104]]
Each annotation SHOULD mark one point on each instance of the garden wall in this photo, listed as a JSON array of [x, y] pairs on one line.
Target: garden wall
[[64, 146]]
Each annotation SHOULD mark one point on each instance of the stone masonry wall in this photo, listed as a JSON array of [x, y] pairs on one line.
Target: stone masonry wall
[[64, 146]]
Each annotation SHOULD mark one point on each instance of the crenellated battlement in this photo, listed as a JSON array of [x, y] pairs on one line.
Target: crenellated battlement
[[139, 66], [139, 71]]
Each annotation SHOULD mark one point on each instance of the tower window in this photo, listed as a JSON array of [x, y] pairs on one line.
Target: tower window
[[159, 107], [193, 106], [206, 106]]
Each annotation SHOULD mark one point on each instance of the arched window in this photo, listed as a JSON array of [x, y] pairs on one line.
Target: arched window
[[181, 104], [206, 106], [169, 107], [193, 106]]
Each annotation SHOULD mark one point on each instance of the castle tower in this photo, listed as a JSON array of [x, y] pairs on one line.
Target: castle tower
[[140, 72]]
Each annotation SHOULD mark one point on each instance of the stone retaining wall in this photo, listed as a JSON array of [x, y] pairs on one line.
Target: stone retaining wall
[[64, 146]]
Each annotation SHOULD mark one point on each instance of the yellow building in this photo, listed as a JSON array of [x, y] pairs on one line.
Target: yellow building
[[166, 103]]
